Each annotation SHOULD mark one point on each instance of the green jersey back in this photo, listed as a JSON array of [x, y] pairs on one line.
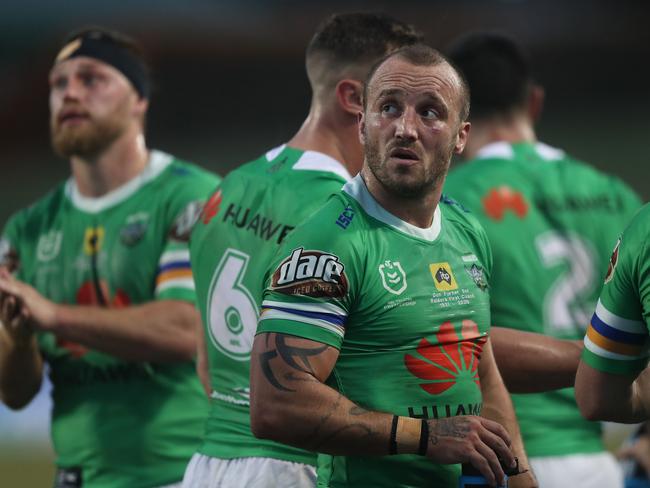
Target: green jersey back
[[231, 247], [124, 424], [408, 308], [551, 222], [619, 334]]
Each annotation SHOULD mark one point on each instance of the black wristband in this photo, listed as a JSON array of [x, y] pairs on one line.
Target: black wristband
[[392, 448], [424, 438]]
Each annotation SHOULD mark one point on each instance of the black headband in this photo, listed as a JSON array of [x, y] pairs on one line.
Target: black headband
[[97, 45]]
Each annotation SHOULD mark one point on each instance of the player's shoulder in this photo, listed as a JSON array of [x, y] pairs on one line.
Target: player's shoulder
[[42, 210], [639, 227], [177, 171], [458, 215]]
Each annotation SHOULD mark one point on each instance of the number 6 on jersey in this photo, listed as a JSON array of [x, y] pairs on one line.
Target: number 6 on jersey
[[232, 313]]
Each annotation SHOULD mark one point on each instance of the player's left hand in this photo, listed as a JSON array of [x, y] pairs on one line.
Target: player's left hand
[[37, 310], [638, 451]]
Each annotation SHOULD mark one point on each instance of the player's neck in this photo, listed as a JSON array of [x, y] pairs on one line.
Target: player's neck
[[122, 161], [416, 211], [486, 132], [335, 135]]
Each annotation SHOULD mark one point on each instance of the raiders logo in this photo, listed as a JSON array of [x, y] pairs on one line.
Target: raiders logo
[[613, 261], [311, 273]]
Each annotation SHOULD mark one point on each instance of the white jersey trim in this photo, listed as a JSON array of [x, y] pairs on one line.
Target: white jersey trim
[[275, 152], [357, 189], [315, 161], [324, 307], [504, 150], [158, 162], [599, 351], [500, 150], [620, 323]]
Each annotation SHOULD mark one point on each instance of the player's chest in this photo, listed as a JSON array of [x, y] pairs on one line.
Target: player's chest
[[77, 255], [414, 290]]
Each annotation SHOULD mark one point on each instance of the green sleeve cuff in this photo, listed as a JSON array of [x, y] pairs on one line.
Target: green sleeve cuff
[[613, 366], [183, 294], [300, 329]]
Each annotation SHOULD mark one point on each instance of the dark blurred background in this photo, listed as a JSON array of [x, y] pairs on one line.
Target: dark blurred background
[[230, 82]]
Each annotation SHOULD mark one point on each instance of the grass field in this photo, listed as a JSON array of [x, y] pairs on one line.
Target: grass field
[[24, 468]]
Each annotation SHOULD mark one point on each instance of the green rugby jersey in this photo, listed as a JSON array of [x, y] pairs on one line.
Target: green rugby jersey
[[552, 222], [231, 247], [124, 424], [408, 309], [618, 337]]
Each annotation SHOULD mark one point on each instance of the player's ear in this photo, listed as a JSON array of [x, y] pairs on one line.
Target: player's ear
[[535, 102], [461, 138], [349, 94], [140, 108], [362, 127]]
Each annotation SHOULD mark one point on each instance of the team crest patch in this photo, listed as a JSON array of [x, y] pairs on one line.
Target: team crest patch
[[443, 277], [476, 273], [393, 277], [311, 273], [135, 228], [613, 261], [49, 245]]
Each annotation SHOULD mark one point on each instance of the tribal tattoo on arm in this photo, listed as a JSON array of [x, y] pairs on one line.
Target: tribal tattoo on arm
[[297, 358]]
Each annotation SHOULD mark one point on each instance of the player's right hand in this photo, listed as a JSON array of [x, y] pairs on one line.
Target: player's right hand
[[13, 316], [471, 439]]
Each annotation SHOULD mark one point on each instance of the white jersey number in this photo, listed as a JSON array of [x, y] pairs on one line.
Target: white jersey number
[[232, 312], [564, 303]]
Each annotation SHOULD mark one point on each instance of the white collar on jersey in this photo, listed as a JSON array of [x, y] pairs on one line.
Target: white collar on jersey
[[358, 190], [314, 161], [158, 161], [503, 150]]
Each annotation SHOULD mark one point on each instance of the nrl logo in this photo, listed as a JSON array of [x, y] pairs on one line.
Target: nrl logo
[[393, 277], [49, 245], [135, 228]]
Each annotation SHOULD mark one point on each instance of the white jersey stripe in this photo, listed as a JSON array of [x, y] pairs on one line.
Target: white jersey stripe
[[270, 314], [186, 283], [307, 307], [599, 351], [620, 323]]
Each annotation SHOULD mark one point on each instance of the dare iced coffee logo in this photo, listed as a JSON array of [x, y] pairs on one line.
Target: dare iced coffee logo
[[312, 273]]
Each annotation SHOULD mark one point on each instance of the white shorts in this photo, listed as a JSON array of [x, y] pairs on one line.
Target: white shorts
[[599, 470], [252, 472]]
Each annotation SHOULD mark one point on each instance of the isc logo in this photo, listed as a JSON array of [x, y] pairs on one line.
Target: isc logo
[[312, 273]]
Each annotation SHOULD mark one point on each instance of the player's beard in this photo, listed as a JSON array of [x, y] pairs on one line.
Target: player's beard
[[408, 186], [88, 139]]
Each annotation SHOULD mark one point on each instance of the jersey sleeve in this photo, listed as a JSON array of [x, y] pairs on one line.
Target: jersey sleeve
[[186, 199], [313, 282], [617, 337]]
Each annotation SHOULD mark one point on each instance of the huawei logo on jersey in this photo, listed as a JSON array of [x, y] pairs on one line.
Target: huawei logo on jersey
[[454, 358], [211, 208], [311, 273], [500, 200], [88, 295]]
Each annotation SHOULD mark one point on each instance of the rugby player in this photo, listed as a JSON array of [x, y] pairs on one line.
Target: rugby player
[[240, 230], [102, 287], [372, 346], [551, 222]]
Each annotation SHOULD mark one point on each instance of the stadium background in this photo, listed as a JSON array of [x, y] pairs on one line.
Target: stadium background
[[230, 83]]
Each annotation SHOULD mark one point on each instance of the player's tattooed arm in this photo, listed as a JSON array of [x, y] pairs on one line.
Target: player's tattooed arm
[[290, 403]]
